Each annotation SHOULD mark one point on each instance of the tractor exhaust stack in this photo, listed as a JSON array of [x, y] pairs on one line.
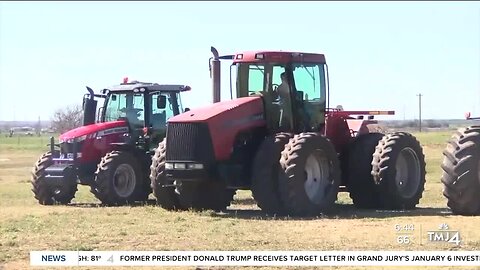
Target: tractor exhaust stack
[[89, 108], [215, 75]]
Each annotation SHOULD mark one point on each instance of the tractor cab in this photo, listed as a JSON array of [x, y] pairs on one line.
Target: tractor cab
[[294, 88], [144, 106], [292, 84]]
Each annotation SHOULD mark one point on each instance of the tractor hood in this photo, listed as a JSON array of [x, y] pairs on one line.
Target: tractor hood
[[225, 121], [207, 112], [106, 128]]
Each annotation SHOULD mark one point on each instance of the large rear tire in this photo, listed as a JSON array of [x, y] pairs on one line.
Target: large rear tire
[[310, 175], [165, 196], [461, 171], [358, 171], [119, 179], [45, 193], [265, 173], [398, 167]]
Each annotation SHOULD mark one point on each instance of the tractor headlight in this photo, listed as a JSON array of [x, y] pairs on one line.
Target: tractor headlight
[[179, 166], [81, 138], [194, 166], [183, 166]]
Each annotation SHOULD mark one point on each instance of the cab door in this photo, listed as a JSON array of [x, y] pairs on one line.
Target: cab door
[[161, 110]]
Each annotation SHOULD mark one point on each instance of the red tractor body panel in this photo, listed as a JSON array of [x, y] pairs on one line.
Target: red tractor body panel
[[338, 131], [99, 138], [90, 129], [226, 120], [359, 126], [342, 127]]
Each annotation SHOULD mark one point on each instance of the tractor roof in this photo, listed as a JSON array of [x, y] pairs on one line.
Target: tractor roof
[[278, 56], [135, 85]]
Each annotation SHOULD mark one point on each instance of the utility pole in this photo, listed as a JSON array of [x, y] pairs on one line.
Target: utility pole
[[39, 126], [420, 112]]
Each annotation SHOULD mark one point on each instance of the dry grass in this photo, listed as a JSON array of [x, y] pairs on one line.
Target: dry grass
[[27, 226]]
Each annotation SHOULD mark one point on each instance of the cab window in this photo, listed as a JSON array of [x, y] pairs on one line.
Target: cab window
[[311, 90], [159, 116], [125, 106]]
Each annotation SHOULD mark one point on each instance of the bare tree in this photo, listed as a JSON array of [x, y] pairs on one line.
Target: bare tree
[[67, 118]]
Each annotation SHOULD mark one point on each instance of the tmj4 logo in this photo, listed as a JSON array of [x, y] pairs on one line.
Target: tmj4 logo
[[443, 234]]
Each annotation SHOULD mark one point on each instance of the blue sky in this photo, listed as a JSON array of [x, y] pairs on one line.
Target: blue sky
[[380, 54]]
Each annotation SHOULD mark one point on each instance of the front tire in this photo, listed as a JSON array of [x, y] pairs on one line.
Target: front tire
[[265, 173], [119, 179], [45, 193], [165, 196], [310, 175], [461, 171], [398, 167]]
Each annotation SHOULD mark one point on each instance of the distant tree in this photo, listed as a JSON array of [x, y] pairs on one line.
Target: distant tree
[[67, 118], [6, 127], [431, 123]]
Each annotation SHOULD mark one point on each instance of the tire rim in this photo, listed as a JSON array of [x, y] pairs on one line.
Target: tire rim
[[124, 180], [408, 176], [317, 172]]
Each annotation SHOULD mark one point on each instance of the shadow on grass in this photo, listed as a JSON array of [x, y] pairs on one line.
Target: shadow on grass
[[339, 211], [98, 205]]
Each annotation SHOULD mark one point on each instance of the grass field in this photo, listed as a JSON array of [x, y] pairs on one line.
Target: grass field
[[25, 225]]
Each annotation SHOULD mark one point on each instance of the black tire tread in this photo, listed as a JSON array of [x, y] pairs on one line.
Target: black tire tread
[[103, 187], [383, 170], [40, 188], [165, 196], [360, 183], [291, 179], [460, 166], [265, 173]]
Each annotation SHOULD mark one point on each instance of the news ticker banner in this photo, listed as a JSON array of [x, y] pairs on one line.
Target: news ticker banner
[[255, 258]]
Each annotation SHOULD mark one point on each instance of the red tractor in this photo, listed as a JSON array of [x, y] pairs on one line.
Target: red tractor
[[279, 139], [113, 152], [461, 170]]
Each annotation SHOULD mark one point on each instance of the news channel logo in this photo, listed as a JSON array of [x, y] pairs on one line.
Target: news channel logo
[[407, 234], [444, 235]]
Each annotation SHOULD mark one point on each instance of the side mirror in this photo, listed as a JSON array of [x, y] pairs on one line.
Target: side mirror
[[161, 102], [186, 110]]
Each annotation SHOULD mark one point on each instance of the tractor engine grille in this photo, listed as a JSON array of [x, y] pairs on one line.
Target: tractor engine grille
[[68, 147], [189, 142]]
